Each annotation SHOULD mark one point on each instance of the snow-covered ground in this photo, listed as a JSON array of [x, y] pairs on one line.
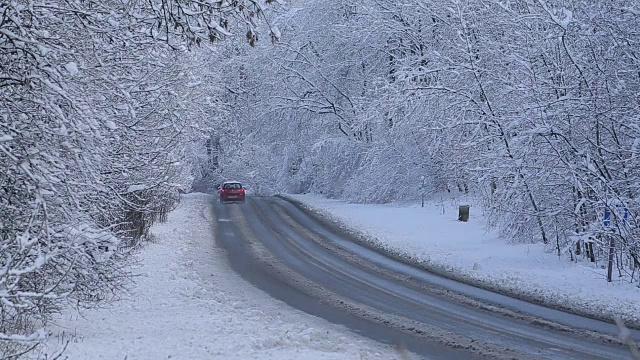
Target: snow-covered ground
[[433, 236], [188, 304]]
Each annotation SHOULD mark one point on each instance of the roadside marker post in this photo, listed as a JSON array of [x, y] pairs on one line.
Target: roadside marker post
[[422, 189]]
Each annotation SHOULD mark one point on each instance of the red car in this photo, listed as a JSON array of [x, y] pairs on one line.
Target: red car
[[232, 191]]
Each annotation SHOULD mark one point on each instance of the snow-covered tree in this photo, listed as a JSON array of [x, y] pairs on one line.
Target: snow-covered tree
[[529, 105], [98, 104]]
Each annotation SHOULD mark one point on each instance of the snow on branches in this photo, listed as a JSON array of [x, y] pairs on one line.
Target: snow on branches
[[530, 105], [97, 105]]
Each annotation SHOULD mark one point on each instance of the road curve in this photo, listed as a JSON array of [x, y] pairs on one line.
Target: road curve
[[300, 260]]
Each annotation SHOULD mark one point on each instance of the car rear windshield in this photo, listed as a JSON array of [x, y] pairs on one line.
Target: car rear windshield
[[232, 186]]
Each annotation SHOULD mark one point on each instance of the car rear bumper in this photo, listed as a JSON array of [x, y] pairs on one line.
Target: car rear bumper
[[232, 199]]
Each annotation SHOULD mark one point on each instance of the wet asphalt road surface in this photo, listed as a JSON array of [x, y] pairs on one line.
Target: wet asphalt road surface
[[315, 267]]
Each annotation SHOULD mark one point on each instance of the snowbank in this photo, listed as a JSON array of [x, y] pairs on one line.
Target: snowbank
[[433, 236], [188, 304]]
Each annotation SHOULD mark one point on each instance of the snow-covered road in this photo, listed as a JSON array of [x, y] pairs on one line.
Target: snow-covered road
[[188, 304], [287, 251], [192, 300]]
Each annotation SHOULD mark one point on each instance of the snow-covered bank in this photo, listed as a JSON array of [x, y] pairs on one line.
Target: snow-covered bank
[[433, 237], [188, 304]]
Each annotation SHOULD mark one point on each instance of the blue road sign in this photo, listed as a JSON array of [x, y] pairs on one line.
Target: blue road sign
[[607, 216]]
